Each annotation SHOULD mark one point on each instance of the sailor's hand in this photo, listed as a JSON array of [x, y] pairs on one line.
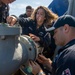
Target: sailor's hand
[[45, 61], [11, 20], [34, 37], [35, 67]]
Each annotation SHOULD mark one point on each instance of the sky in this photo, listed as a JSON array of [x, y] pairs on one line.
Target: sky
[[18, 7]]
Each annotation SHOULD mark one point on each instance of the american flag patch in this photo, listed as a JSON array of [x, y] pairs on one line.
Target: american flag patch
[[66, 72]]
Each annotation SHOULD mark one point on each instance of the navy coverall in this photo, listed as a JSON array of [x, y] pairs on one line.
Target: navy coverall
[[30, 26], [4, 12], [64, 63]]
